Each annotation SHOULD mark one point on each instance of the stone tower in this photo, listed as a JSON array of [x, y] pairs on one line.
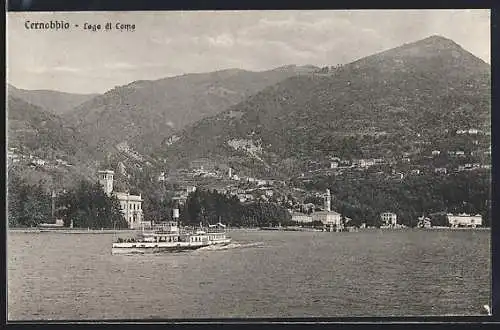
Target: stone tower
[[106, 181], [328, 201]]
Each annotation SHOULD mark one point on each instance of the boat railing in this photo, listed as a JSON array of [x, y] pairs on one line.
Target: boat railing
[[215, 230], [126, 240], [165, 227]]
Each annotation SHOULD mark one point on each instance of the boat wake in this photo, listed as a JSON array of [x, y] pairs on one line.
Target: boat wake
[[203, 249], [231, 246]]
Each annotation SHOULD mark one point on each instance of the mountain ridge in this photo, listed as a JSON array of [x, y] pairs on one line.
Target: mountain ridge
[[308, 116], [54, 101], [143, 113]]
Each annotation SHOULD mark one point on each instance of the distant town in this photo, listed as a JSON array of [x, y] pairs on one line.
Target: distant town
[[303, 205]]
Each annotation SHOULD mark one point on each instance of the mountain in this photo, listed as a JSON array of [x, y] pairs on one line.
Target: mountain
[[56, 102], [35, 130], [378, 105], [142, 114]]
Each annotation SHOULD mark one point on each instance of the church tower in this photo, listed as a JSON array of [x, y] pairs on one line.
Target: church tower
[[328, 201], [106, 181]]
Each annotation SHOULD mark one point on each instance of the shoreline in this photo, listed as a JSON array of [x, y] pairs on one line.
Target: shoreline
[[274, 229], [72, 231]]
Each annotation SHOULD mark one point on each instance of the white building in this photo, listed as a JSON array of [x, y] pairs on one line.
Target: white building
[[161, 177], [464, 220], [389, 218], [131, 205], [364, 163], [328, 218], [40, 162], [424, 222], [473, 131], [301, 217], [442, 170]]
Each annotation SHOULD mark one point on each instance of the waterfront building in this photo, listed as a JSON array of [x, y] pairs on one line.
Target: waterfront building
[[436, 152], [301, 217], [330, 219], [389, 218], [464, 220], [131, 205], [473, 131], [424, 222], [441, 170]]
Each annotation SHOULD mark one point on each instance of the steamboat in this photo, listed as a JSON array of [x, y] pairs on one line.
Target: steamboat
[[170, 237]]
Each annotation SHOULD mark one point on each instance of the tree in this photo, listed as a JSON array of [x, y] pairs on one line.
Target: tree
[[88, 206], [28, 205]]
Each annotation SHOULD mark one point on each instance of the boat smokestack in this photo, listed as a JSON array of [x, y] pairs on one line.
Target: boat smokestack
[[328, 201], [175, 214], [53, 217]]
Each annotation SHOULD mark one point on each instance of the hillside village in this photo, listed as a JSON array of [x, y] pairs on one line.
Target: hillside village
[[297, 133]]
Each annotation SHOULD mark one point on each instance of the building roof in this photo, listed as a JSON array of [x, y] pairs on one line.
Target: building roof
[[107, 171], [463, 215], [300, 214], [128, 197], [325, 212]]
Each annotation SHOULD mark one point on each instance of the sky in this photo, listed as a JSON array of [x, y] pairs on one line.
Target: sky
[[167, 44]]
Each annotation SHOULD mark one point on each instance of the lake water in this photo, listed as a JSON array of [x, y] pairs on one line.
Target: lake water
[[54, 276]]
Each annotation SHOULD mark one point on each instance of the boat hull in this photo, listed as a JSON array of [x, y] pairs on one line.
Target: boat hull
[[152, 247], [147, 247], [225, 241]]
